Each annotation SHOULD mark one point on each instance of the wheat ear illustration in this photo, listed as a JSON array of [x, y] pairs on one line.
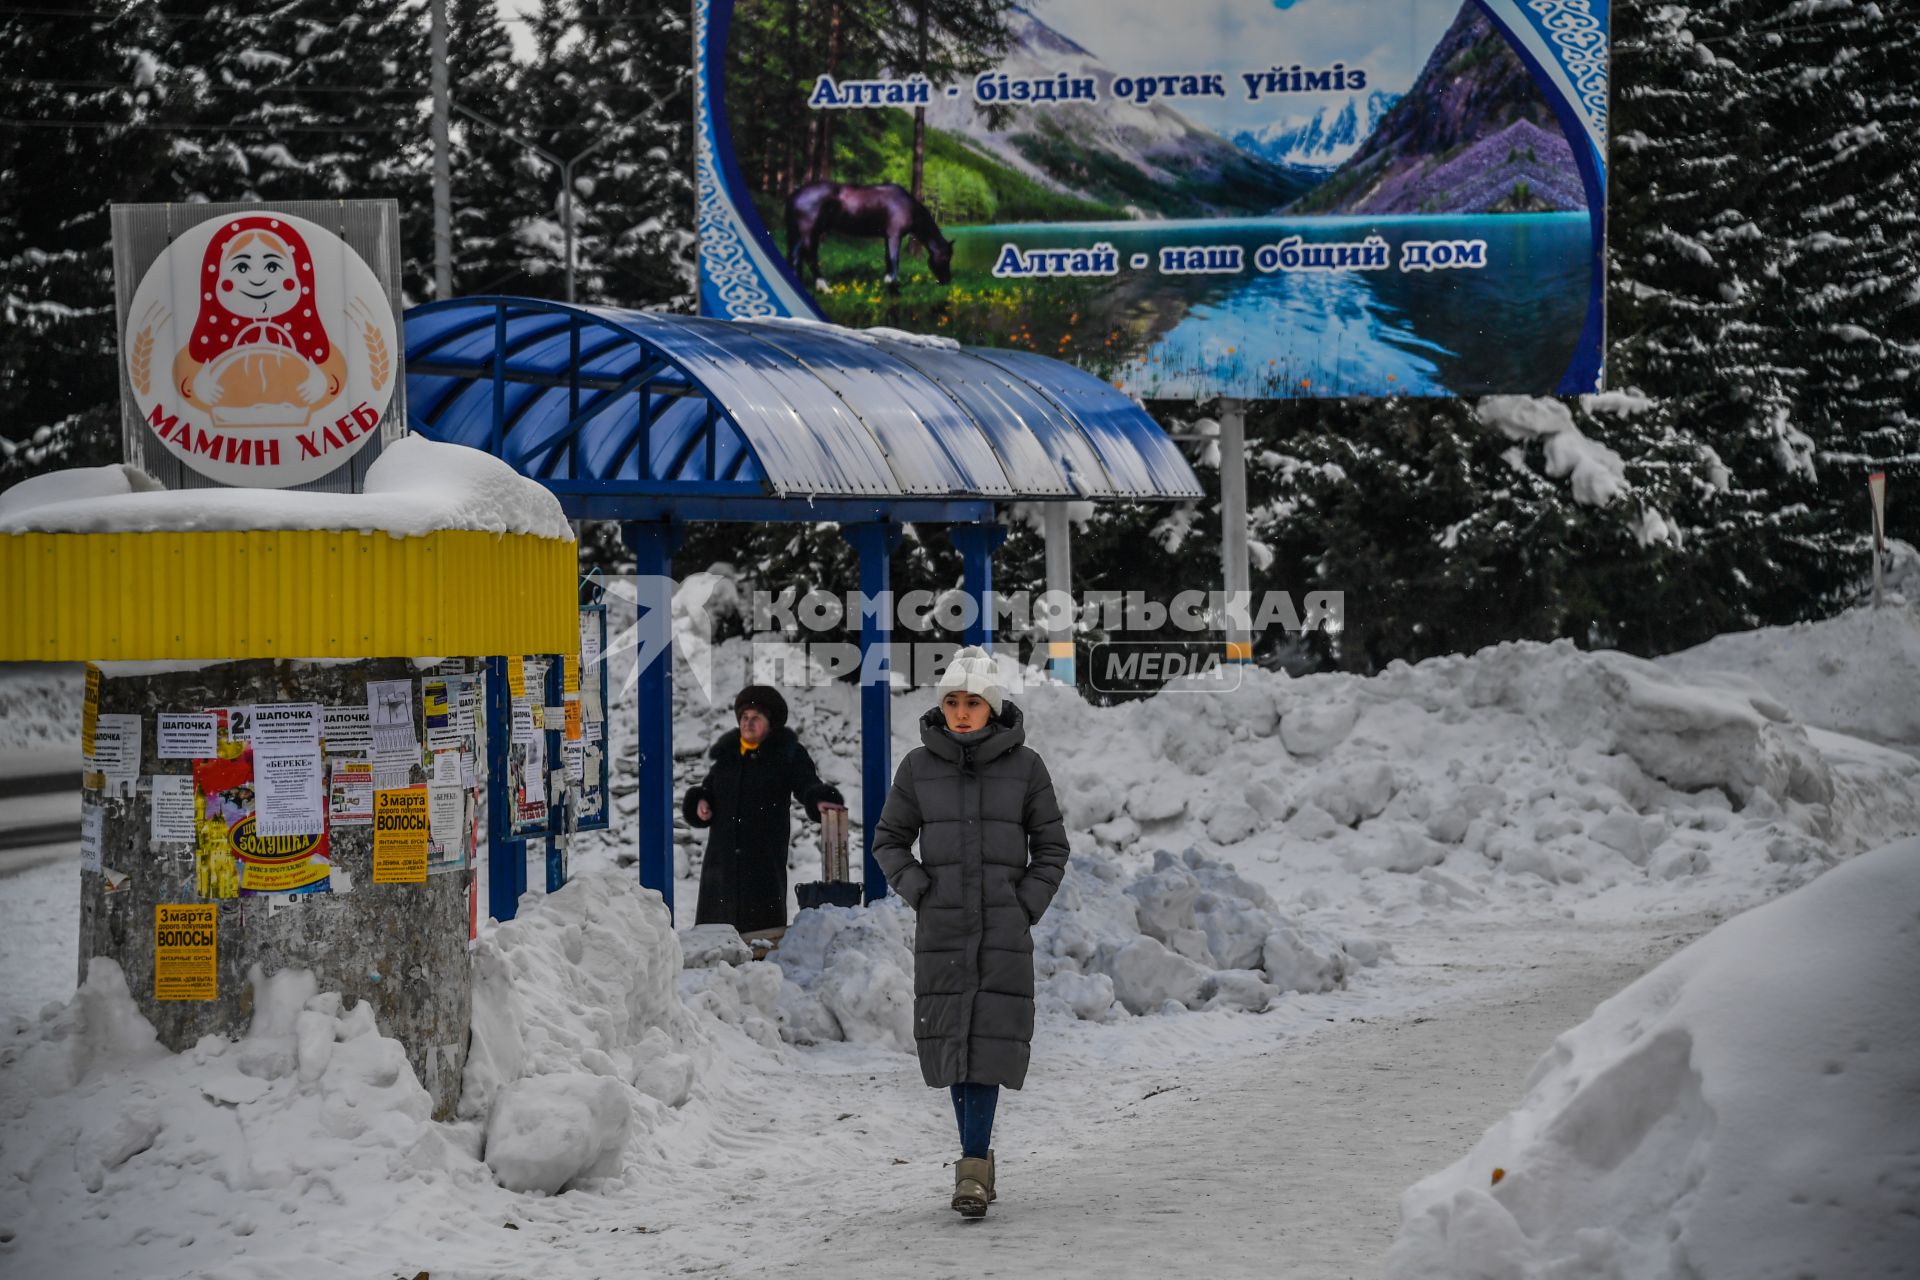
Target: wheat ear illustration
[[140, 364], [379, 367]]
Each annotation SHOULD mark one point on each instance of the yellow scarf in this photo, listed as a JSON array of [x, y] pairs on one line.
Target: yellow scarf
[[746, 746]]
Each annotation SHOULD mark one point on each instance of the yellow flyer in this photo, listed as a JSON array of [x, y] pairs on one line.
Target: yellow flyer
[[185, 948], [517, 677], [400, 826], [90, 713]]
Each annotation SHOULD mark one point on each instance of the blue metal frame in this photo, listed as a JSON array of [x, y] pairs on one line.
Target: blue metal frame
[[875, 543], [653, 544], [596, 614], [506, 854], [671, 419], [556, 800], [976, 544]]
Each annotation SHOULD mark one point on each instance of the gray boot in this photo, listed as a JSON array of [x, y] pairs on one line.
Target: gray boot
[[991, 1193], [971, 1182]]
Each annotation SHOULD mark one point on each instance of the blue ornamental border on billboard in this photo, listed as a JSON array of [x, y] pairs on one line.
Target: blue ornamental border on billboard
[[1563, 44]]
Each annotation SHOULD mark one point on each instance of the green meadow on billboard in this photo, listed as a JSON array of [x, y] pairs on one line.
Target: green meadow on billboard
[[1252, 198]]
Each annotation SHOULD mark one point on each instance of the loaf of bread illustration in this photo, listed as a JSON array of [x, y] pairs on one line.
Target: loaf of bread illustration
[[259, 354]]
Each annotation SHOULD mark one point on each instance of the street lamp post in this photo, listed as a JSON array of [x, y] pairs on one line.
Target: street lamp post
[[565, 165]]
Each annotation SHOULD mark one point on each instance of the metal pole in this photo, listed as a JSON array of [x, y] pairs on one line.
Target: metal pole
[[1059, 535], [566, 216], [506, 856], [1233, 522], [565, 166], [442, 161], [652, 543], [976, 544], [1877, 495], [875, 543]]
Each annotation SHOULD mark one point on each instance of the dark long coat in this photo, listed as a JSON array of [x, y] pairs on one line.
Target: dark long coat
[[744, 879], [993, 849]]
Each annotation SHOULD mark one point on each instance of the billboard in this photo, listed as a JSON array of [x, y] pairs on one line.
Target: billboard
[[259, 348], [1256, 198]]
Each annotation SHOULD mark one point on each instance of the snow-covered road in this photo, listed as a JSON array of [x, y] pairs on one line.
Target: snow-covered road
[[1283, 1157]]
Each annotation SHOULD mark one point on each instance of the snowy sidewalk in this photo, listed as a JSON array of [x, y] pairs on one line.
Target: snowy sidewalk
[[1285, 1162]]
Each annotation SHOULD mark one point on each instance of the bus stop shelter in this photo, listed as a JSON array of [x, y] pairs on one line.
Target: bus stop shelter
[[658, 421]]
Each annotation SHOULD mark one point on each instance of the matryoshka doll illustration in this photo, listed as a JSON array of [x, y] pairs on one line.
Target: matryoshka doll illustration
[[258, 354]]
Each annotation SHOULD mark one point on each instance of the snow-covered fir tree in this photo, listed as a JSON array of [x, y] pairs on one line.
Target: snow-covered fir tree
[[89, 109]]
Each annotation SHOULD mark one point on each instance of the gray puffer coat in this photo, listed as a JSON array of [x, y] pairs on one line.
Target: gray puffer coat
[[993, 849]]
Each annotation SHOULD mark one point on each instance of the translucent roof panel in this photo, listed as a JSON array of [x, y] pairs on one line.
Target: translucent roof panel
[[654, 405]]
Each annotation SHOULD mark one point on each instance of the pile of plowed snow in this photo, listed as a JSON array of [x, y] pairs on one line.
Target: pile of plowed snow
[[1745, 1109]]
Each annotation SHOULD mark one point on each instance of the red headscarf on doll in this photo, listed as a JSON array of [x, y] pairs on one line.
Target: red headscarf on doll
[[216, 328]]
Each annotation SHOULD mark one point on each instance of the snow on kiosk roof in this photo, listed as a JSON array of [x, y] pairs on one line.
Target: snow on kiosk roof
[[637, 415], [112, 567]]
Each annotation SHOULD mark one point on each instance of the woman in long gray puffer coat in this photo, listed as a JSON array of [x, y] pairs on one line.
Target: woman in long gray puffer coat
[[993, 849]]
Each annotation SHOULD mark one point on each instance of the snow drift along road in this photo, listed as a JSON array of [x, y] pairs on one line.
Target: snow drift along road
[[1747, 1109]]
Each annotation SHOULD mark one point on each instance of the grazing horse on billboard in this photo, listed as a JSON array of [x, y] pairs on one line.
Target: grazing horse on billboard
[[887, 210]]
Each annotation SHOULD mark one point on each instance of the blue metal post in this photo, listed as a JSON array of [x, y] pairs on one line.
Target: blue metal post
[[652, 543], [875, 543], [556, 799], [506, 857], [976, 544]]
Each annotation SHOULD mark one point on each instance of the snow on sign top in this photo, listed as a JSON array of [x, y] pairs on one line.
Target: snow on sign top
[[415, 487], [261, 349]]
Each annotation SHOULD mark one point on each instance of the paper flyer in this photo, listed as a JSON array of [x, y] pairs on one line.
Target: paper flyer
[[347, 731], [287, 785], [232, 858], [447, 827], [116, 746], [283, 725], [90, 711], [400, 829], [390, 704], [172, 809], [185, 951], [92, 820], [350, 796], [182, 735]]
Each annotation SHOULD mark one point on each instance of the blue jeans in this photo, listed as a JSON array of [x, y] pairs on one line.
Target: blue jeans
[[973, 1106]]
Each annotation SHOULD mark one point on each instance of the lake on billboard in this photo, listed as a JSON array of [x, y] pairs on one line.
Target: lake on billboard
[[1222, 198]]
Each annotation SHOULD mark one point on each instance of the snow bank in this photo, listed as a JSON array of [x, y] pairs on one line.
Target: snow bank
[[415, 487], [1522, 777], [231, 1159], [124, 1160], [578, 1034], [1188, 934], [1858, 673], [1746, 1109]]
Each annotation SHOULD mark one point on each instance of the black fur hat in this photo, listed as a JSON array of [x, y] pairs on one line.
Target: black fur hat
[[766, 700]]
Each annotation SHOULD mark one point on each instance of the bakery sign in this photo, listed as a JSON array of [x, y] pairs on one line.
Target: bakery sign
[[260, 349]]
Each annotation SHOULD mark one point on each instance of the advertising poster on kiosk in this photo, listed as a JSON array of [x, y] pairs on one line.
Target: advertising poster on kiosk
[[260, 346], [1263, 200]]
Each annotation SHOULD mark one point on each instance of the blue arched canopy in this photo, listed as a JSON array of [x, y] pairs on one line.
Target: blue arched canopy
[[636, 415], [660, 420]]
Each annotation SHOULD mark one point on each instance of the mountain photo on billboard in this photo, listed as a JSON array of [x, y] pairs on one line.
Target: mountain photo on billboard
[[1473, 135], [903, 165]]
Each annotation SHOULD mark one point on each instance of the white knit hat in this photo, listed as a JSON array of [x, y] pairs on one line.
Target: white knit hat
[[973, 671]]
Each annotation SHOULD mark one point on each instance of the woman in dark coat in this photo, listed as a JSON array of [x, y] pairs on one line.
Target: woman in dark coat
[[757, 769], [993, 849]]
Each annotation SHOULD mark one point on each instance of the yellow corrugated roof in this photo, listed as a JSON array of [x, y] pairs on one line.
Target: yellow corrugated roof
[[283, 594]]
